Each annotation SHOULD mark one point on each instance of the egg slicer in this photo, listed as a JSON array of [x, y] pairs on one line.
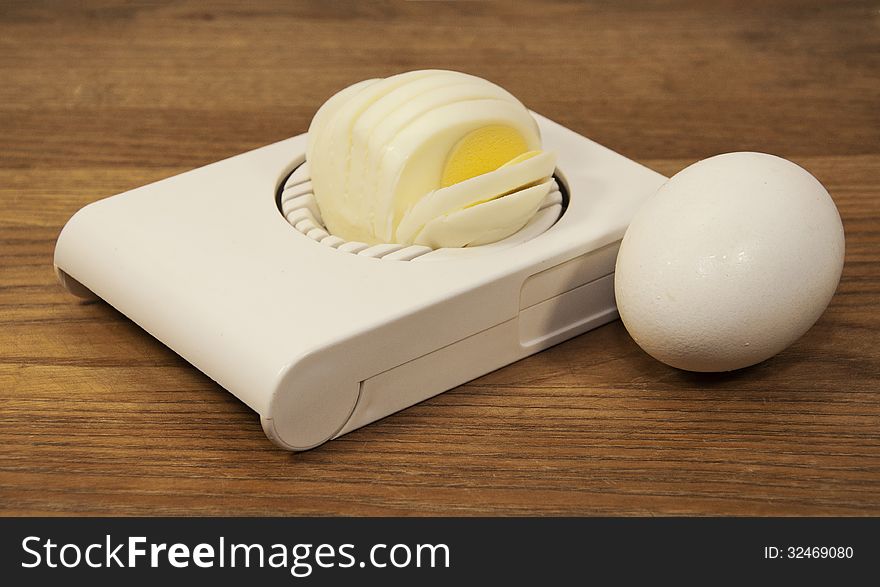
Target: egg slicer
[[230, 266]]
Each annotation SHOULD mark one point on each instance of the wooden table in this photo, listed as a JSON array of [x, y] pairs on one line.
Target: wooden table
[[97, 417]]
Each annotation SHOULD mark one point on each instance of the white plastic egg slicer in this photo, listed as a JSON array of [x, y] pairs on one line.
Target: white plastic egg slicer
[[230, 266]]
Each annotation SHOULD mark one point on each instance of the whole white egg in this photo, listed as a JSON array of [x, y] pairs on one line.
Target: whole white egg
[[731, 261]]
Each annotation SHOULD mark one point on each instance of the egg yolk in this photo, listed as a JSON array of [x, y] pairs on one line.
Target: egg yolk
[[521, 158], [481, 151]]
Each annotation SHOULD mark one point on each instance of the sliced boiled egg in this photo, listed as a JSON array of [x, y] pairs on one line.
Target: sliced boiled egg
[[431, 157]]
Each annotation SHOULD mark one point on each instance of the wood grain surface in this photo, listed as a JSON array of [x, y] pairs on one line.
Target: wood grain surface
[[97, 417]]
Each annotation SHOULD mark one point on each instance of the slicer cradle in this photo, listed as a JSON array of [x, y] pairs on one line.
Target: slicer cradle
[[319, 338]]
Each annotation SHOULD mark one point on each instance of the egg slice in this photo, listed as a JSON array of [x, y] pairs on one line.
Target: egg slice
[[398, 159], [486, 222], [508, 180]]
